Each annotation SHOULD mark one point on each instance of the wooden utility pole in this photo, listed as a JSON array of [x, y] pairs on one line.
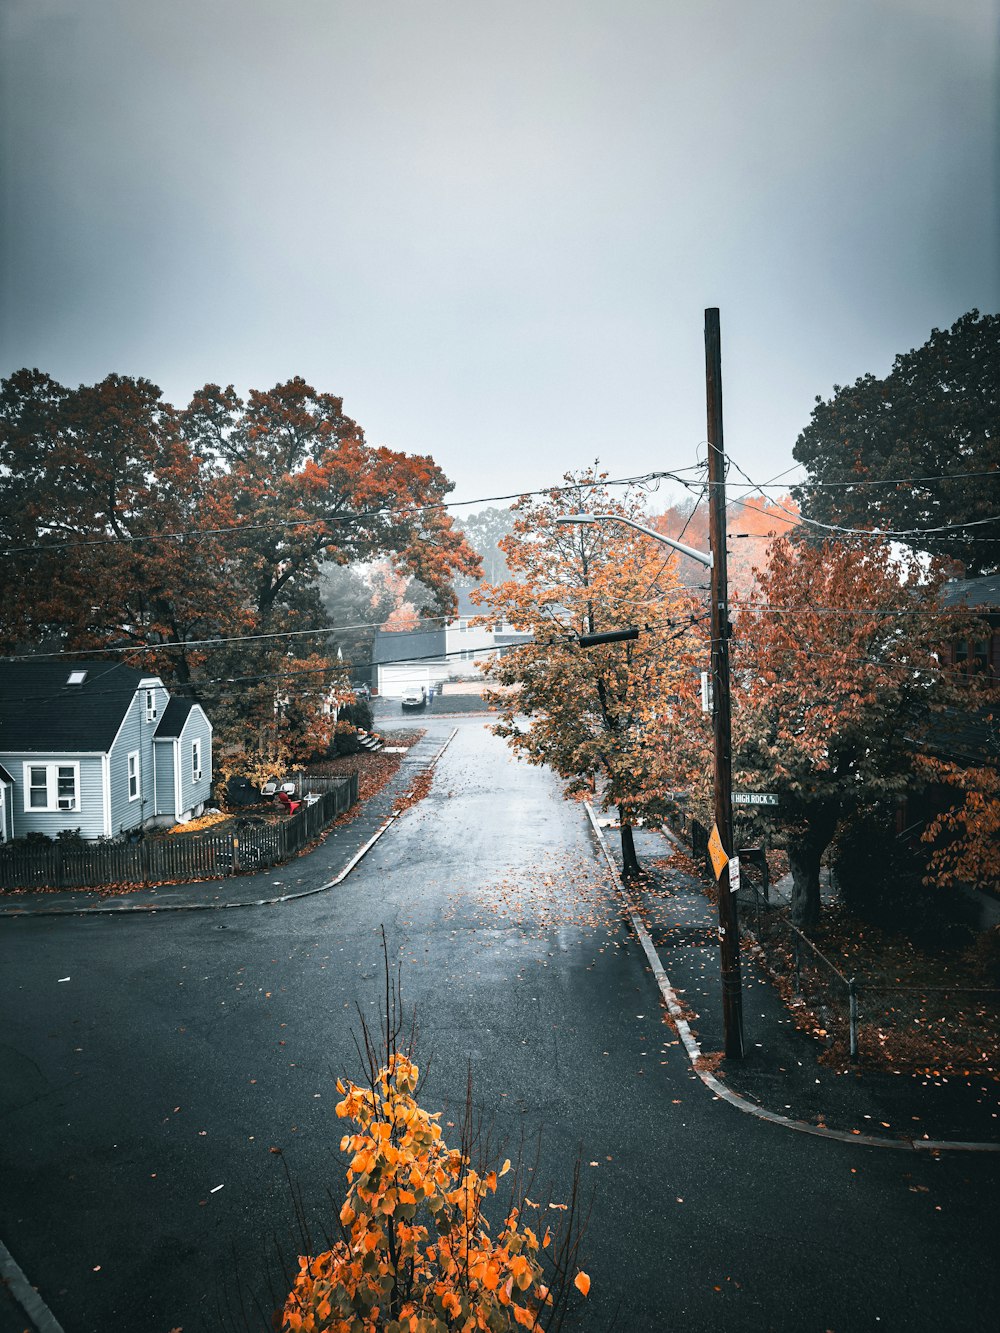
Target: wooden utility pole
[[729, 934]]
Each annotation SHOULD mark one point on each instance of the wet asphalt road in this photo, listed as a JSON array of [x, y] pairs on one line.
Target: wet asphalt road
[[185, 1047]]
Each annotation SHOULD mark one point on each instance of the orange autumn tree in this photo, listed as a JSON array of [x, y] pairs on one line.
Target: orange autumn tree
[[964, 837], [750, 526], [416, 1253], [109, 527], [191, 543], [837, 682], [597, 714], [304, 489]]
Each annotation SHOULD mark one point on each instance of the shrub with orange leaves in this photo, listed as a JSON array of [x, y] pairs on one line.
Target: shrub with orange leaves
[[416, 1254], [964, 837]]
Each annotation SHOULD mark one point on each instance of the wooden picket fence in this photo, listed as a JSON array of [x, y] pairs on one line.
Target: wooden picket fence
[[194, 856]]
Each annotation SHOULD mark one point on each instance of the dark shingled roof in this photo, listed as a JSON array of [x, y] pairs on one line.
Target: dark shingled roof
[[39, 711], [413, 645], [983, 591], [174, 716]]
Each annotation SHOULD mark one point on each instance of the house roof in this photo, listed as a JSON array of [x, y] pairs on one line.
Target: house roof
[[983, 591], [41, 712], [4, 775], [408, 645], [969, 737], [174, 716]]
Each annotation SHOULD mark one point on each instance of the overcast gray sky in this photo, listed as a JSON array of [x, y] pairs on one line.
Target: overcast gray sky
[[493, 228]]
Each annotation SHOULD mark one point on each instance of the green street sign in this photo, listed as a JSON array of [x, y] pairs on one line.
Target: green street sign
[[754, 798]]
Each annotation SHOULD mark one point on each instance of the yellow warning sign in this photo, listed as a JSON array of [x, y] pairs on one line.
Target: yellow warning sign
[[716, 851]]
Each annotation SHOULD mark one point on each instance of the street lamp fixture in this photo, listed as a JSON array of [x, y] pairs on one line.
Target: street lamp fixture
[[703, 557]]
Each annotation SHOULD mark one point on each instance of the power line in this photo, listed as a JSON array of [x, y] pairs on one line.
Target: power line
[[329, 630], [944, 613], [407, 512], [879, 533], [883, 481], [332, 669], [887, 663]]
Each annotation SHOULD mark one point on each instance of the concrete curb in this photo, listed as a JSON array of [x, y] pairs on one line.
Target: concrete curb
[[42, 1318], [118, 906], [718, 1088]]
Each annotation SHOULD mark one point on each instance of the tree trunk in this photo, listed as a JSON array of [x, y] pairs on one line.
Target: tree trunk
[[805, 851], [631, 868], [803, 861]]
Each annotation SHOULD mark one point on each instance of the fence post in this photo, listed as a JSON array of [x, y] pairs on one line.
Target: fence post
[[852, 996], [236, 855]]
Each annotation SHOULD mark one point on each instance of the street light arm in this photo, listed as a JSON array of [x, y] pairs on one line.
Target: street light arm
[[700, 556]]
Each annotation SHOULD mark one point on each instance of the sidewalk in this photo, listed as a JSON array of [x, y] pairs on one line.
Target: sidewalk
[[780, 1070], [304, 874]]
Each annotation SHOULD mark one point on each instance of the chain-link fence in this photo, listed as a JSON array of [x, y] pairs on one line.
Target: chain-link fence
[[802, 972], [950, 1027], [872, 1019]]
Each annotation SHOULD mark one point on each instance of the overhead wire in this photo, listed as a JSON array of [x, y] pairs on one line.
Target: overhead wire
[[338, 518], [883, 662], [330, 669], [878, 533]]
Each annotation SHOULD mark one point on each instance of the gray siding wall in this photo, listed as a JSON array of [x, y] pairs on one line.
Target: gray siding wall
[[8, 811], [89, 819], [136, 733], [194, 793], [164, 758]]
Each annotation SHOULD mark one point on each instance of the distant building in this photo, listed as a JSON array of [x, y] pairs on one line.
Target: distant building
[[430, 657]]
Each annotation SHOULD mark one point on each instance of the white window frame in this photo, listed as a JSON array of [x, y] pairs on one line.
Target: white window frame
[[151, 709], [196, 759], [132, 770], [53, 801]]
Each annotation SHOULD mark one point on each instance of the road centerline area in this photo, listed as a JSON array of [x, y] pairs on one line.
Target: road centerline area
[[179, 1056]]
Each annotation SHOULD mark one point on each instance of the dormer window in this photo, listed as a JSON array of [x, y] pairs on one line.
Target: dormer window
[[150, 705]]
